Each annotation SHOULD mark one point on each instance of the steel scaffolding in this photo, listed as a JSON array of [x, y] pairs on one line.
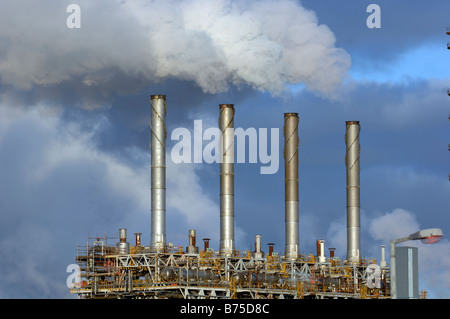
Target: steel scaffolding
[[172, 273]]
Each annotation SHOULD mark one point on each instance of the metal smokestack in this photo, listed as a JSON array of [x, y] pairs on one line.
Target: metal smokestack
[[192, 242], [291, 143], [353, 190], [158, 171], [257, 254], [123, 235], [123, 247], [383, 256], [138, 238], [226, 125]]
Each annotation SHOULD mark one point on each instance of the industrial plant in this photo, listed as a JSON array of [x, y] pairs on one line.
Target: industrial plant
[[162, 270]]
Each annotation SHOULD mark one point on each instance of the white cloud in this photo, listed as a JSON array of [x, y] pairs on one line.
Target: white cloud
[[264, 44], [337, 236], [396, 224]]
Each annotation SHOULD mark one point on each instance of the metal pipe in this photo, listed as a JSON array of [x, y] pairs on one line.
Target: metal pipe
[[206, 243], [123, 247], [318, 241], [291, 143], [353, 190], [322, 258], [158, 171], [393, 271], [332, 252], [226, 125], [123, 234], [270, 248], [258, 243], [138, 238], [383, 256], [192, 237], [192, 242], [258, 253]]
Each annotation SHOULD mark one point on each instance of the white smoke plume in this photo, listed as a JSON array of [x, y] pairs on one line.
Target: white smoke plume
[[120, 45], [396, 224]]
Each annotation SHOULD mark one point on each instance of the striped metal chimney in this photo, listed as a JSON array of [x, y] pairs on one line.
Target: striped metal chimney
[[158, 171], [226, 126], [353, 190], [291, 143]]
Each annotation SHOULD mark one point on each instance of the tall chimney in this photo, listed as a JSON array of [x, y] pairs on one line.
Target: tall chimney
[[226, 125], [353, 192], [158, 171], [291, 142]]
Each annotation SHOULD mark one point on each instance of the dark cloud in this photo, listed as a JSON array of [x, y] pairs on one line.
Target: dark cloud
[[404, 26]]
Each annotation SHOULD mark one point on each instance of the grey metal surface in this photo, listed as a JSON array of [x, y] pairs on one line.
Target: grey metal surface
[[353, 190], [258, 253], [407, 273], [192, 248], [123, 247], [226, 126], [123, 234], [291, 143], [158, 172]]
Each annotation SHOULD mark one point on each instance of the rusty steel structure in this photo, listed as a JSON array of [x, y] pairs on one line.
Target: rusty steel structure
[[161, 270]]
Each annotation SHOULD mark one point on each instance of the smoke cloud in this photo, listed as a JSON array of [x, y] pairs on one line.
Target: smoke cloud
[[122, 46], [396, 224]]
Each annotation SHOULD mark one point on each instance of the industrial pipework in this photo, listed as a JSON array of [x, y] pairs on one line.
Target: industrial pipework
[[226, 126], [291, 143], [353, 190], [158, 171]]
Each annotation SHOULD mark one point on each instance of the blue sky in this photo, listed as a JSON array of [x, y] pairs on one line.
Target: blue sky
[[427, 61], [74, 124]]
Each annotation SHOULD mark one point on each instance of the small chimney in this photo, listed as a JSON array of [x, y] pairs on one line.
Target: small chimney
[[271, 248], [258, 254], [123, 247], [383, 256], [206, 243], [322, 258], [138, 238], [332, 252], [318, 241], [192, 249]]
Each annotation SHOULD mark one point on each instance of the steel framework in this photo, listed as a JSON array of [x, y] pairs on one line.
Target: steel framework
[[144, 273]]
